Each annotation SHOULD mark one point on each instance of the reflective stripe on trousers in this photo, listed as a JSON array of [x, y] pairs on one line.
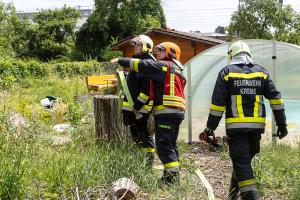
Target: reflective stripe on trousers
[[168, 110]]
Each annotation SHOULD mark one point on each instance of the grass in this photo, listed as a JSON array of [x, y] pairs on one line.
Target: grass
[[277, 170], [32, 167]]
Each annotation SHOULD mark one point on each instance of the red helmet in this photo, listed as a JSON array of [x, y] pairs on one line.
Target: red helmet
[[172, 49]]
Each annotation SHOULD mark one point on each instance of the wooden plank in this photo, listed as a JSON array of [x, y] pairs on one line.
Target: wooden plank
[[99, 80], [210, 192]]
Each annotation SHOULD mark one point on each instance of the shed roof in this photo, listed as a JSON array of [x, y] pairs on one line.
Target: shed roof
[[172, 32]]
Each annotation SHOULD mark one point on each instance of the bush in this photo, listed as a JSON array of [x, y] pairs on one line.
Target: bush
[[16, 71], [69, 69], [107, 54]]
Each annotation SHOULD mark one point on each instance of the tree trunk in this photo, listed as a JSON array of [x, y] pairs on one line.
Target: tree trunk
[[108, 124], [124, 188]]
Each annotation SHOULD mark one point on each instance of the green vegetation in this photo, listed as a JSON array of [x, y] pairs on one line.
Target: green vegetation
[[17, 71], [115, 20], [52, 34], [277, 171], [258, 19]]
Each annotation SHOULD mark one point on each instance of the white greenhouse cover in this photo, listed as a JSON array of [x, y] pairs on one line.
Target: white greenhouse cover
[[282, 60]]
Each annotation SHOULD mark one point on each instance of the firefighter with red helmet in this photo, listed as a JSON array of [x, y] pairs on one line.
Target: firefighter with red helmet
[[167, 94], [240, 90], [136, 116]]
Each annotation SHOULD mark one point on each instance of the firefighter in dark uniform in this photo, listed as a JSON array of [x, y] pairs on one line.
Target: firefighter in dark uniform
[[239, 89], [139, 87], [167, 94]]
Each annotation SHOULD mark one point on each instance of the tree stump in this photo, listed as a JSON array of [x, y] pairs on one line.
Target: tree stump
[[124, 189], [108, 123]]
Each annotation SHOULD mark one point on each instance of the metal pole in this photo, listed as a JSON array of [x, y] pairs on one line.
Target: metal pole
[[238, 34], [274, 138], [189, 101]]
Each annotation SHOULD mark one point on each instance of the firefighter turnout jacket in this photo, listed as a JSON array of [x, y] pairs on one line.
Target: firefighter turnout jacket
[[239, 90], [167, 86], [139, 88]]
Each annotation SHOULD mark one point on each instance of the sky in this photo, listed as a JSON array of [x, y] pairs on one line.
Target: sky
[[184, 15]]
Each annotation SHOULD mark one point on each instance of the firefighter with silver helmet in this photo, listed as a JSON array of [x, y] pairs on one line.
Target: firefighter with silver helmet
[[167, 95], [240, 90], [136, 116]]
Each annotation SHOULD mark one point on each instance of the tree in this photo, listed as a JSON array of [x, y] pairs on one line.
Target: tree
[[257, 19], [117, 19], [52, 35], [11, 30], [220, 29], [19, 35]]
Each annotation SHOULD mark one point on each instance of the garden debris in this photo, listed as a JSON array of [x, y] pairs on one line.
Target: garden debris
[[48, 102], [124, 188], [62, 127], [18, 121], [60, 140]]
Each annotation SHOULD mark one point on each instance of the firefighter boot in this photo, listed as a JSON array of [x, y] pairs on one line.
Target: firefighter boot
[[170, 178], [250, 195], [234, 189]]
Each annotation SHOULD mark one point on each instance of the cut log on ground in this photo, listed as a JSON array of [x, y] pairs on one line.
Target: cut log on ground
[[108, 125], [124, 189]]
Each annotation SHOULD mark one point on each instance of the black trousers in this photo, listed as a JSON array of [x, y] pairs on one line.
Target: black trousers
[[140, 134], [166, 134], [242, 148]]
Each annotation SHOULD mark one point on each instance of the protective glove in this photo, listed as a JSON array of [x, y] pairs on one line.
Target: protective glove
[[282, 131], [128, 118], [208, 136], [204, 135]]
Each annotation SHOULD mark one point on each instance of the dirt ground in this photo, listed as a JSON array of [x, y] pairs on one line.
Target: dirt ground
[[216, 169]]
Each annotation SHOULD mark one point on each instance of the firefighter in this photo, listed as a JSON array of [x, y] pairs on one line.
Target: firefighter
[[139, 87], [167, 94], [239, 89]]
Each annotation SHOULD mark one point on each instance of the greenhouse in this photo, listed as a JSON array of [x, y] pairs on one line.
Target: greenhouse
[[280, 59]]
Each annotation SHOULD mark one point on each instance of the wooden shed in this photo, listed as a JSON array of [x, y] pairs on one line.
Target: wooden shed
[[189, 43]]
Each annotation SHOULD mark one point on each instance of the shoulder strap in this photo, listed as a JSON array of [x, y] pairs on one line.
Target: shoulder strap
[[181, 67]]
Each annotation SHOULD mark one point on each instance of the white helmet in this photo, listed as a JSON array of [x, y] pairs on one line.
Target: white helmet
[[145, 41], [238, 47]]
